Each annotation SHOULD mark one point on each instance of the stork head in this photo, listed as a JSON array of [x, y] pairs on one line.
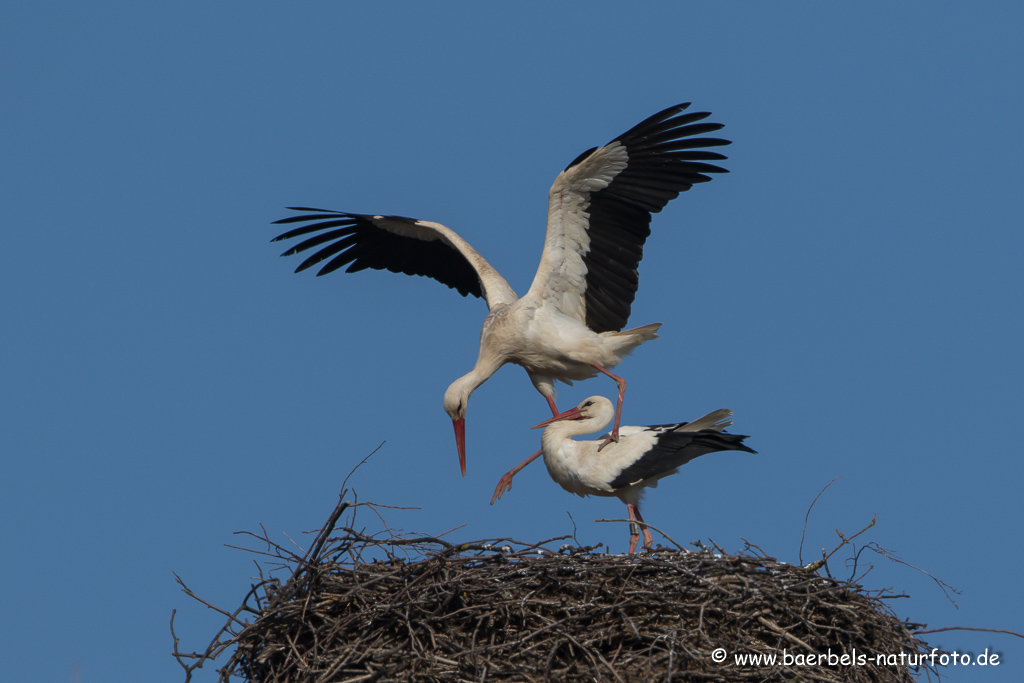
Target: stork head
[[592, 414], [456, 400]]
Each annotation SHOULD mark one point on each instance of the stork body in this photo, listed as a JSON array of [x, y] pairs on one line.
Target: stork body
[[641, 457], [569, 325]]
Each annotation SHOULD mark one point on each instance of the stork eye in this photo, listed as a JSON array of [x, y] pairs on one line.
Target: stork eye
[[588, 404]]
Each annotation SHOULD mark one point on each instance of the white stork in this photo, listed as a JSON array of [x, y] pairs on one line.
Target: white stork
[[642, 456], [569, 325]]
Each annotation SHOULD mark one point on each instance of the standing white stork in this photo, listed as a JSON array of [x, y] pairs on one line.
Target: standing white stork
[[569, 324], [642, 456]]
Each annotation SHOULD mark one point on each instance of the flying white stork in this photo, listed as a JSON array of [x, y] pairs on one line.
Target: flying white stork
[[569, 325], [642, 456]]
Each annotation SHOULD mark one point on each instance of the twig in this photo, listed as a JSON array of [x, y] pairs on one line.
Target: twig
[[800, 553], [344, 484], [892, 556], [816, 565], [969, 628]]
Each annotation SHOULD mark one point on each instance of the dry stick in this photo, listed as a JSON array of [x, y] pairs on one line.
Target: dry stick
[[754, 545], [574, 529], [250, 550], [969, 628], [815, 566], [344, 484], [784, 633], [314, 554], [373, 508], [717, 547], [800, 553], [942, 584], [188, 591], [213, 650], [177, 655]]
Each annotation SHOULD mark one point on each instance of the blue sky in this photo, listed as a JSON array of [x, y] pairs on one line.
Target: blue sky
[[853, 289]]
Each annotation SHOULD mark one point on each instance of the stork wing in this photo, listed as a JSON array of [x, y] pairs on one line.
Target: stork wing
[[673, 448], [599, 213], [401, 245]]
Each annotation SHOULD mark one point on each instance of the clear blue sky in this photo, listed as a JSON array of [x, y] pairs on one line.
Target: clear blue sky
[[853, 289]]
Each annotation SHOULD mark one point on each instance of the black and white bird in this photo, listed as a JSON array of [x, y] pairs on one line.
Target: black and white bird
[[569, 325], [642, 456]]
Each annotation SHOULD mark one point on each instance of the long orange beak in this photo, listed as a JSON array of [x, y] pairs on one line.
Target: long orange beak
[[460, 441], [571, 414]]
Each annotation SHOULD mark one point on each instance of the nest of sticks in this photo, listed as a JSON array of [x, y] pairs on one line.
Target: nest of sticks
[[398, 608]]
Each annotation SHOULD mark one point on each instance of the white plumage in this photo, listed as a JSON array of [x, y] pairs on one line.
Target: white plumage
[[569, 325], [641, 457]]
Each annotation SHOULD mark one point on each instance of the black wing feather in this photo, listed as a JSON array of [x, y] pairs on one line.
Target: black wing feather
[[675, 449], [358, 241], [664, 159]]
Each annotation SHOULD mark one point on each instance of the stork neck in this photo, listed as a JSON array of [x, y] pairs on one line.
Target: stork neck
[[486, 365], [567, 429], [480, 373]]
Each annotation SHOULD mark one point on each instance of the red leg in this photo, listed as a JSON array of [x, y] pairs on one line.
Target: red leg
[[551, 404], [648, 539], [634, 533], [614, 436], [505, 483]]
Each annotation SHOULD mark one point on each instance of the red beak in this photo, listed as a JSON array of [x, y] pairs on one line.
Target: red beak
[[460, 441], [571, 414]]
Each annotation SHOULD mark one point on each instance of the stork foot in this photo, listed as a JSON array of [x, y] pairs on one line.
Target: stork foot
[[614, 436], [621, 384], [504, 485]]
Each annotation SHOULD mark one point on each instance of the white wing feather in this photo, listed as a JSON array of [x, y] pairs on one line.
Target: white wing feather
[[561, 277]]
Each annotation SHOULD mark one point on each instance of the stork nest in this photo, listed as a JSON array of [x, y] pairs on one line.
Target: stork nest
[[363, 608]]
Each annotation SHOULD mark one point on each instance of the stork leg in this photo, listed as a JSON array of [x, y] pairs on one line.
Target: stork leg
[[551, 404], [621, 383], [634, 528], [648, 539], [505, 483]]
